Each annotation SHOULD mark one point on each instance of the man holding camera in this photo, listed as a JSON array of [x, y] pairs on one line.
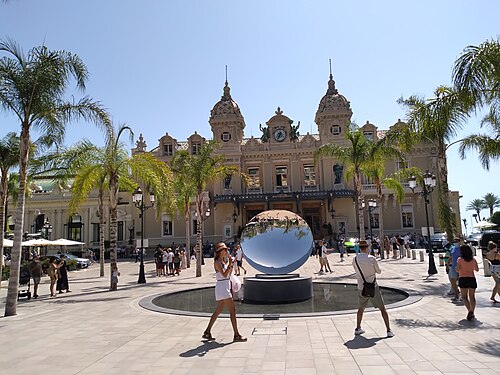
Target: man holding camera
[[366, 267]]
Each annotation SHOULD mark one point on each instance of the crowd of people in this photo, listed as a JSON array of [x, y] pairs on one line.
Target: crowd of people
[[170, 261]]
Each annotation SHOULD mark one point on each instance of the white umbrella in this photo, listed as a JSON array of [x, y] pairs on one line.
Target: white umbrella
[[7, 242], [37, 242], [483, 224], [65, 242]]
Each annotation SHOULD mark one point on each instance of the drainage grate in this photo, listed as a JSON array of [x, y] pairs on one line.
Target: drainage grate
[[271, 316], [269, 331]]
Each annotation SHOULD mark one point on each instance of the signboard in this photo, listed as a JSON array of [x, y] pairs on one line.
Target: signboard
[[138, 243], [424, 231]]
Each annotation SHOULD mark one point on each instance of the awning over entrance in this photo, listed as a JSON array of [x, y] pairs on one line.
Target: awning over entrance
[[288, 196]]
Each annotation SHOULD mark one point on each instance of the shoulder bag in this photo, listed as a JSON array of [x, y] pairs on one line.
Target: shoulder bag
[[368, 288]]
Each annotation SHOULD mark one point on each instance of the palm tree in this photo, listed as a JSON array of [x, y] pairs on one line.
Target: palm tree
[[32, 87], [381, 151], [202, 168], [476, 75], [491, 201], [476, 205], [435, 122], [185, 190], [9, 157], [354, 156], [111, 169]]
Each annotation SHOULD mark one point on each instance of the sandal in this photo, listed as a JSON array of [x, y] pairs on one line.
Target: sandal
[[207, 336], [239, 338]]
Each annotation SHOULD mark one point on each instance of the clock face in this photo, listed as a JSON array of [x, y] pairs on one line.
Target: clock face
[[279, 135]]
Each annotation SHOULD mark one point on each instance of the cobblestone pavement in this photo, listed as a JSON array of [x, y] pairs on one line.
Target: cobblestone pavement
[[95, 331]]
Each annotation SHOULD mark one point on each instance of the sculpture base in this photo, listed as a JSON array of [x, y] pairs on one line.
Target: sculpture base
[[277, 289]]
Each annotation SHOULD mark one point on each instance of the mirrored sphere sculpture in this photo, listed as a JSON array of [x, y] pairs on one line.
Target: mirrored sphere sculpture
[[276, 242]]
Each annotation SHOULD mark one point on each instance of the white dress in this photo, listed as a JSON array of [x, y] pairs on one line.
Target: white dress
[[222, 286]]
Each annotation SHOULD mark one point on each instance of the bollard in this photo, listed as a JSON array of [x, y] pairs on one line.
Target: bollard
[[486, 267], [408, 253], [414, 254], [422, 253]]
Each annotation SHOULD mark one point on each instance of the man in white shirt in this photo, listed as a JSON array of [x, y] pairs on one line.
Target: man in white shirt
[[239, 260], [369, 267]]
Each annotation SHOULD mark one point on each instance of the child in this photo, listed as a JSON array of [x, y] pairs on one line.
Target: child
[[114, 278]]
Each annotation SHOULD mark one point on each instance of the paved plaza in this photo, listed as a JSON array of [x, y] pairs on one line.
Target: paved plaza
[[95, 331]]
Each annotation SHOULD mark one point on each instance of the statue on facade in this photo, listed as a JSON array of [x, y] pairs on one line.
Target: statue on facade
[[265, 133], [338, 171], [294, 132]]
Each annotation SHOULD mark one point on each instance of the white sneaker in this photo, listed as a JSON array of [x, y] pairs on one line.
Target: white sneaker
[[390, 333], [359, 331]]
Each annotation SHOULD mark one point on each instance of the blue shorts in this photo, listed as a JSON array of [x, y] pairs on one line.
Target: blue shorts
[[453, 274]]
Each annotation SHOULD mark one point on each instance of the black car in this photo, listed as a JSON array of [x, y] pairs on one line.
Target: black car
[[473, 239], [439, 241], [487, 236]]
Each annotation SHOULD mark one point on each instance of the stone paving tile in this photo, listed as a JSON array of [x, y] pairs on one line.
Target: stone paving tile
[[95, 331]]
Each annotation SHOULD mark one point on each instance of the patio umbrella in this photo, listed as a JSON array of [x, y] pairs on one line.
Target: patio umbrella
[[37, 242], [7, 242], [65, 242], [484, 224]]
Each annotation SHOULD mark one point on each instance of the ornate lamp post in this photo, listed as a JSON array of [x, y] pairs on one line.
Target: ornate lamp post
[[47, 229], [372, 204], [138, 200], [427, 188]]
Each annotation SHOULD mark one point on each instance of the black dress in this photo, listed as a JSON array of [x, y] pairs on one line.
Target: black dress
[[62, 281]]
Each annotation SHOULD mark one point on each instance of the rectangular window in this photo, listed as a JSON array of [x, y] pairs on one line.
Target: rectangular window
[[167, 226], [281, 177], [226, 136], [227, 182], [309, 176], [168, 150], [195, 148], [95, 232], [335, 129], [407, 215], [368, 135], [254, 179], [375, 220], [120, 234]]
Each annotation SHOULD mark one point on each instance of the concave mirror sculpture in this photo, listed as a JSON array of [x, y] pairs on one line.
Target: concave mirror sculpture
[[276, 242]]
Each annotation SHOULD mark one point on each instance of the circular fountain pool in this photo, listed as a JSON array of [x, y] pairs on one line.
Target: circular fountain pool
[[328, 299]]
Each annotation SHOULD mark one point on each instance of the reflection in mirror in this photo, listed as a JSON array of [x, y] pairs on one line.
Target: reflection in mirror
[[276, 242]]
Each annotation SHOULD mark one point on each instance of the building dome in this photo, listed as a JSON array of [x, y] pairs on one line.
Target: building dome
[[333, 101], [226, 107]]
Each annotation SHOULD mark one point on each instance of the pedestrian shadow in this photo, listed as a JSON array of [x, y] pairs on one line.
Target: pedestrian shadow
[[490, 347], [360, 342], [203, 349], [445, 324]]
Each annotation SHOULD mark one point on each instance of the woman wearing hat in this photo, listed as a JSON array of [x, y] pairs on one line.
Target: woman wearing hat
[[223, 269]]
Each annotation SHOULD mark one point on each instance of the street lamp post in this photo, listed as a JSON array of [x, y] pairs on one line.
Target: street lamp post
[[427, 188], [47, 228], [138, 200], [372, 204], [465, 225]]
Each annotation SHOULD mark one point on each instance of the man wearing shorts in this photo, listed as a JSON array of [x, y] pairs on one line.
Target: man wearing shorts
[[451, 268], [369, 266]]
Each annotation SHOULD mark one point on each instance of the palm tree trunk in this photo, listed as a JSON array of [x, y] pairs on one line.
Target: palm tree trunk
[[15, 263], [380, 217], [445, 214], [113, 213], [101, 231], [198, 233], [188, 236], [3, 200], [361, 216]]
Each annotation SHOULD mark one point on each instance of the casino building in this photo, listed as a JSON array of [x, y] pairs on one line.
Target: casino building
[[282, 174]]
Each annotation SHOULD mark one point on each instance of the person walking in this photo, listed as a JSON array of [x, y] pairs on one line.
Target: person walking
[[493, 257], [223, 269], [466, 265], [114, 278], [239, 260], [451, 268], [36, 273], [52, 272], [62, 280], [366, 267]]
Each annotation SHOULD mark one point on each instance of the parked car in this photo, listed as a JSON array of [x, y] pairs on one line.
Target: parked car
[[473, 239], [439, 241], [487, 236], [80, 262]]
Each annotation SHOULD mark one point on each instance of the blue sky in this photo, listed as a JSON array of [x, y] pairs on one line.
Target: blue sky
[[159, 66]]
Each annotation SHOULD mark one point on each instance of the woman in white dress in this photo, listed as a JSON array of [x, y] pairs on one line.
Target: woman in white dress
[[223, 265]]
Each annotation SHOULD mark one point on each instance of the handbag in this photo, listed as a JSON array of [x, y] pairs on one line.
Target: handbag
[[368, 288], [235, 283]]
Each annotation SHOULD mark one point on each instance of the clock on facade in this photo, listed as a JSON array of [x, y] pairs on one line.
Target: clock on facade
[[279, 135]]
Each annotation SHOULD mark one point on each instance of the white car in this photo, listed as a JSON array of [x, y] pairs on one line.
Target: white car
[[80, 262]]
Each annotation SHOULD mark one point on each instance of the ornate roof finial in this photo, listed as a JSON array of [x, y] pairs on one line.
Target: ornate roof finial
[[227, 93], [279, 111], [331, 83], [141, 145]]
